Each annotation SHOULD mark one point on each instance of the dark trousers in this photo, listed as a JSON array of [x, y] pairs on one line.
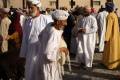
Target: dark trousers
[[4, 68]]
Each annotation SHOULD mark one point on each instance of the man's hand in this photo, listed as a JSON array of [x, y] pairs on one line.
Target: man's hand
[[7, 37], [63, 49], [82, 30]]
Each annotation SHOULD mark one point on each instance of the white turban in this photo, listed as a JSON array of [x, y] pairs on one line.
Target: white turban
[[35, 2], [5, 10], [60, 15]]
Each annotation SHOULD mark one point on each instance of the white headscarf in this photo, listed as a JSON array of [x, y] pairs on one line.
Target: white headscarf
[[35, 2], [60, 15], [5, 10]]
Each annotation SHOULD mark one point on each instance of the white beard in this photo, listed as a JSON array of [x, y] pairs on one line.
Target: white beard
[[33, 14], [61, 28]]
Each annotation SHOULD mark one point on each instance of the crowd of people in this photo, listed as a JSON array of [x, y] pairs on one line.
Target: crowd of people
[[35, 43]]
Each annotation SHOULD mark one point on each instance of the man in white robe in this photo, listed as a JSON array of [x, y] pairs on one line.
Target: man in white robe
[[87, 39], [101, 18], [49, 47], [31, 30]]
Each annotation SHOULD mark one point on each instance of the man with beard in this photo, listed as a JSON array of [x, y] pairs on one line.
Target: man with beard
[[86, 39], [31, 29], [49, 47]]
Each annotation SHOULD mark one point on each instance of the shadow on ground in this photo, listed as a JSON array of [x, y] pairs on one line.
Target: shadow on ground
[[99, 72]]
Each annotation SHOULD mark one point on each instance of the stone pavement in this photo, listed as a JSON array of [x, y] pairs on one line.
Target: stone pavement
[[99, 71]]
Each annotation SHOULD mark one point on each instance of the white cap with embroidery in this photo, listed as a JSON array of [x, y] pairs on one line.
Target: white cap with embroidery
[[60, 15], [35, 2]]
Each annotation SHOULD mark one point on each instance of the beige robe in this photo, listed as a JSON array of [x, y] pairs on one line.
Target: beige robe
[[111, 56], [5, 22]]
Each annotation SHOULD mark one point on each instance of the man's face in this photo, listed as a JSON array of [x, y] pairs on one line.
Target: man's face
[[62, 24], [33, 10]]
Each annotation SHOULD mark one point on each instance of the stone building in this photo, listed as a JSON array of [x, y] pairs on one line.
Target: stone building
[[61, 3], [13, 3]]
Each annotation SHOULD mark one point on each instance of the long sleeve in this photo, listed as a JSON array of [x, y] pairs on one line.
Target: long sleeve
[[51, 49], [109, 28], [4, 27], [4, 33]]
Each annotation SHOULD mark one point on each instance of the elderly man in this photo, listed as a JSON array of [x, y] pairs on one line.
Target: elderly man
[[49, 47], [31, 30], [86, 39]]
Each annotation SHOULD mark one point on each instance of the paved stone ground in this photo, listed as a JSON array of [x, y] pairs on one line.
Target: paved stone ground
[[99, 71]]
